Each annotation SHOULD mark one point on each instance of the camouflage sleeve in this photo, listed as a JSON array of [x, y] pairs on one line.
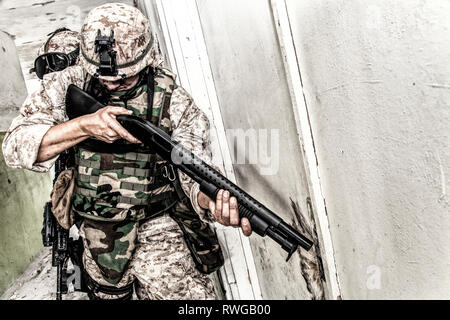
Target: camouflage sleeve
[[191, 129], [41, 110]]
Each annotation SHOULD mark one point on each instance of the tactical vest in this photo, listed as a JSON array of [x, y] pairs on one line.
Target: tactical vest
[[114, 191], [127, 186]]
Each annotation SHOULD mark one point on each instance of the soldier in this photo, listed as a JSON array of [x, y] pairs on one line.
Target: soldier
[[57, 53], [141, 221]]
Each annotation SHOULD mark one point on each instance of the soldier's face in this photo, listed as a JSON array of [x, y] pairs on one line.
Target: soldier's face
[[120, 85]]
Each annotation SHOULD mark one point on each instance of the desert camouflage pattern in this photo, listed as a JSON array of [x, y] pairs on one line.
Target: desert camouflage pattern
[[45, 108], [64, 41], [112, 234], [161, 266], [40, 111], [61, 197], [136, 49]]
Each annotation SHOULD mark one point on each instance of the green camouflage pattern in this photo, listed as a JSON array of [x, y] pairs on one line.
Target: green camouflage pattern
[[106, 184], [162, 267], [100, 189], [111, 245], [164, 87]]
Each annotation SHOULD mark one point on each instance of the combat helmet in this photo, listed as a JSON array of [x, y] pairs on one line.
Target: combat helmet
[[58, 52], [117, 42]]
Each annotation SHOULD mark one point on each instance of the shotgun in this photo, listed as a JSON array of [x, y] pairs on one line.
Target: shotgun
[[262, 220]]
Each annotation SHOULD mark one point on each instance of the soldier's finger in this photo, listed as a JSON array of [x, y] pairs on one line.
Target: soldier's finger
[[111, 135], [234, 213], [212, 209], [218, 207], [226, 208], [118, 110], [115, 125], [107, 140], [246, 227]]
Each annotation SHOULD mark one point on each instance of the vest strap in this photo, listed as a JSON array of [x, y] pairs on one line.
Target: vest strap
[[135, 186], [127, 200], [150, 93], [134, 156], [87, 163], [132, 201], [85, 192], [136, 172], [87, 178]]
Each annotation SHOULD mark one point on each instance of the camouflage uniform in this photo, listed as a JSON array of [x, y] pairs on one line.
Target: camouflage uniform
[[119, 248], [161, 264], [58, 52], [61, 40]]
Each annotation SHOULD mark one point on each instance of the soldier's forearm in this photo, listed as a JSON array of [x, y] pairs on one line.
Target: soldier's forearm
[[61, 137]]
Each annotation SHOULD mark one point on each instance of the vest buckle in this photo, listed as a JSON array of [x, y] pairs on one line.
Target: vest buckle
[[169, 175]]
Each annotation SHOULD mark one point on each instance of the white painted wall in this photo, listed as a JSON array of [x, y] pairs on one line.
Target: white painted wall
[[376, 77], [176, 23], [253, 94]]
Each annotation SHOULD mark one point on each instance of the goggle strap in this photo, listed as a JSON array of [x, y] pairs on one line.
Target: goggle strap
[[52, 34]]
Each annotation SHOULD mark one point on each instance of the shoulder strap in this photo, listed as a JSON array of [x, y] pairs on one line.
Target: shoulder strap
[[150, 92], [163, 86]]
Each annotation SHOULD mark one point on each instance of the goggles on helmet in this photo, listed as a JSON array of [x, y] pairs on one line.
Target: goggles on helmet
[[53, 61]]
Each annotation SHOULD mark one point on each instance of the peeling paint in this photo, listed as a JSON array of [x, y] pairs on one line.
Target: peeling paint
[[438, 86], [310, 261], [42, 3]]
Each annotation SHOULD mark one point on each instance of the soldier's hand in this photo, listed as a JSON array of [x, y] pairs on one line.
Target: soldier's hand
[[225, 211], [103, 125]]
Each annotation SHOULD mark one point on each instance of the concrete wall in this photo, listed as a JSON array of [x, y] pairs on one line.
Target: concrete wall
[[148, 8], [376, 80], [253, 94], [22, 193], [30, 21], [13, 90]]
